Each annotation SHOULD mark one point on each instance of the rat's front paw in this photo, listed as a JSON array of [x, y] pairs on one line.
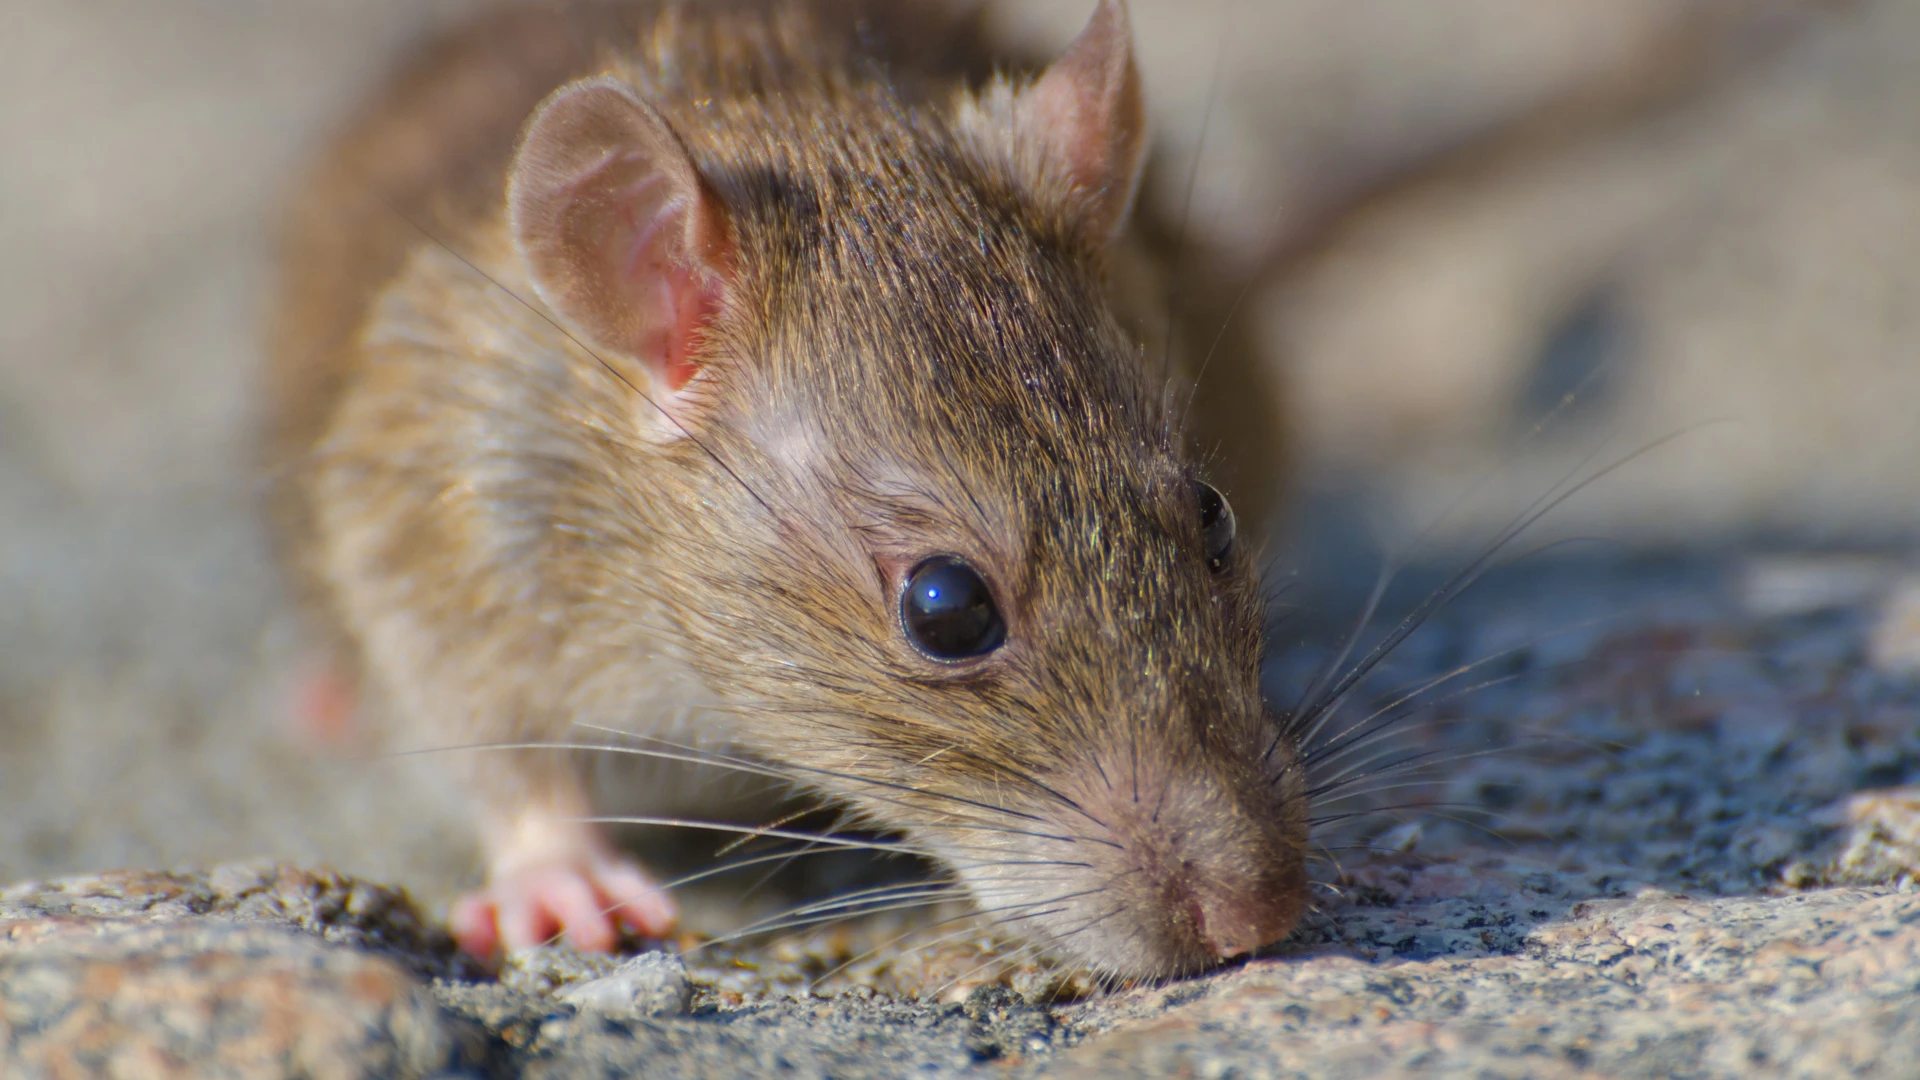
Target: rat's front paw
[[587, 899]]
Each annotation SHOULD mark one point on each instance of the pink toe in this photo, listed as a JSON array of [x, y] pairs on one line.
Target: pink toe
[[474, 926], [588, 901], [573, 903], [524, 920], [638, 903]]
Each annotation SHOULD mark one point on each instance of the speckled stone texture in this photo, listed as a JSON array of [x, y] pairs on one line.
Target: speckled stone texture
[[243, 971], [1504, 982], [1815, 985]]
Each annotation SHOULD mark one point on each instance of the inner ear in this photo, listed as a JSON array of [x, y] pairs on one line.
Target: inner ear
[[1090, 102], [1084, 119], [621, 237]]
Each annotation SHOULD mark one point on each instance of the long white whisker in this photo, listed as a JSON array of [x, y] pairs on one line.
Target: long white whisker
[[1435, 682], [998, 811], [776, 924]]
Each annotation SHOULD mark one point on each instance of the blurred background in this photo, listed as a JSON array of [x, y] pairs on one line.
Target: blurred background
[[1476, 248]]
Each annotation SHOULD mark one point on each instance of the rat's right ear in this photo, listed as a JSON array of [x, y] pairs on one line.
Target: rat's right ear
[[1081, 125], [621, 236]]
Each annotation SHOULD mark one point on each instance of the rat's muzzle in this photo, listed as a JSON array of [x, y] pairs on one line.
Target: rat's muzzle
[[1168, 877]]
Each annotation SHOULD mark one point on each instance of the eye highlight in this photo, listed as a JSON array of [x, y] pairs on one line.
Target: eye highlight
[[948, 612], [1216, 525]]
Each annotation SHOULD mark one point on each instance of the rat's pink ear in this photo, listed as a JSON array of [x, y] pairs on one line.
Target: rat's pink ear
[[1085, 118], [622, 238]]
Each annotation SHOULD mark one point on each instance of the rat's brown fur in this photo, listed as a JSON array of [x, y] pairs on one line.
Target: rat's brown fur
[[916, 356]]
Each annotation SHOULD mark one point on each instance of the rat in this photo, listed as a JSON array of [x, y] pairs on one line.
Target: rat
[[748, 376]]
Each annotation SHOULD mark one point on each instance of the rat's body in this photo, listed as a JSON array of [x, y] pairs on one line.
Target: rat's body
[[649, 423]]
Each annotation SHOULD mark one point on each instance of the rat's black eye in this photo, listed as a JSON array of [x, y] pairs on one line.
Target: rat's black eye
[[948, 611], [1216, 525]]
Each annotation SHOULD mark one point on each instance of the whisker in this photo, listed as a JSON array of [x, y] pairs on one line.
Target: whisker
[[1376, 728], [1309, 703], [1472, 573], [1220, 335], [1383, 733], [755, 830], [740, 864], [844, 820], [697, 757], [1358, 770], [1456, 672], [690, 757], [984, 895], [1028, 950], [1328, 854], [746, 764], [780, 927], [897, 938], [733, 845], [929, 888], [1438, 810], [1423, 807], [1409, 764], [850, 910], [1004, 961]]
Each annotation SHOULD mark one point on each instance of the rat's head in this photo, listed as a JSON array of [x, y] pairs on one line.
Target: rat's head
[[940, 533]]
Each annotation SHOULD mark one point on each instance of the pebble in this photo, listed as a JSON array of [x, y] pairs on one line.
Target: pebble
[[651, 984]]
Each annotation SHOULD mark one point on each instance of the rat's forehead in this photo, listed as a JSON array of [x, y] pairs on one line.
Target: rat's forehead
[[945, 331], [956, 332], [1015, 499], [890, 212]]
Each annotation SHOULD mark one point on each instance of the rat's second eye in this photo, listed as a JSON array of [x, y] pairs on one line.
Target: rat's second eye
[[1216, 525], [948, 611]]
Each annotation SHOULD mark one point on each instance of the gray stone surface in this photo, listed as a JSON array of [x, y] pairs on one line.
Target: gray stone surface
[[1655, 984], [1450, 971]]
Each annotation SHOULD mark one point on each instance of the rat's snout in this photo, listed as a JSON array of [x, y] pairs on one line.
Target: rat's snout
[[1233, 919], [1190, 867], [1229, 882]]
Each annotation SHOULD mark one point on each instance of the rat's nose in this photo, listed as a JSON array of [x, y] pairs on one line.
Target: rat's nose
[[1238, 921]]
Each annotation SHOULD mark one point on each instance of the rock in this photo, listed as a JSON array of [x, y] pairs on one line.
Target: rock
[[651, 984], [1657, 984], [1452, 968], [202, 997], [545, 969], [1881, 838], [330, 905], [241, 970]]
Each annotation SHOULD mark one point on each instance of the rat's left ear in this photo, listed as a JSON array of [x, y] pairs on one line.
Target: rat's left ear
[[1083, 119], [621, 236]]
